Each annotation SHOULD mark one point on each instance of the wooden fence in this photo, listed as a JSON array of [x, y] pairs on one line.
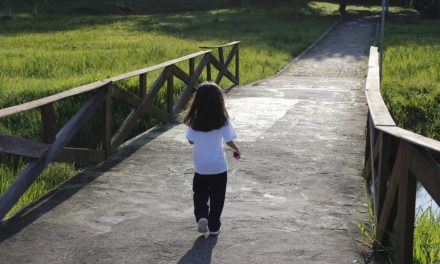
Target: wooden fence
[[395, 160], [54, 146]]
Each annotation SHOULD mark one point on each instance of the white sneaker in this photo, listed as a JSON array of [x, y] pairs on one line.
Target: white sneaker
[[202, 225], [214, 233]]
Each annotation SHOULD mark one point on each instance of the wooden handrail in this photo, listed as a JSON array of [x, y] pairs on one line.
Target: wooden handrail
[[221, 46], [395, 160], [141, 102], [157, 67], [53, 98]]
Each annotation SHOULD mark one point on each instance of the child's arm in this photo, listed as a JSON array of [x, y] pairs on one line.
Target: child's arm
[[234, 147]]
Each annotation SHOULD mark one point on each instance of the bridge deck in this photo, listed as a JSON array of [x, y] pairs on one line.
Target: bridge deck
[[293, 198]]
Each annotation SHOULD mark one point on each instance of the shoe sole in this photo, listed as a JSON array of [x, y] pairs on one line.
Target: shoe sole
[[202, 226]]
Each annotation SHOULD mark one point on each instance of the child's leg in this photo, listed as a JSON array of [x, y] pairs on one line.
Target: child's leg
[[217, 193], [200, 197]]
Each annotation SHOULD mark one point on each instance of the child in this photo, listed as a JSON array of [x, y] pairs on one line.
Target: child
[[208, 127]]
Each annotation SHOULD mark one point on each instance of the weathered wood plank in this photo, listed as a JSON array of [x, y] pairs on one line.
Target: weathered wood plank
[[385, 220], [208, 72], [221, 55], [125, 97], [367, 164], [56, 97], [226, 63], [411, 137], [142, 85], [237, 64], [368, 175], [223, 69], [158, 66], [405, 215], [128, 124], [48, 122], [191, 67], [28, 176], [373, 79], [22, 146], [384, 170], [378, 109], [373, 146], [179, 73], [186, 92], [427, 171], [170, 95], [107, 118], [221, 46]]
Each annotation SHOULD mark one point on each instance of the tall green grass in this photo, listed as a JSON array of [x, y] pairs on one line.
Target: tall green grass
[[43, 55], [427, 237], [49, 179], [411, 74]]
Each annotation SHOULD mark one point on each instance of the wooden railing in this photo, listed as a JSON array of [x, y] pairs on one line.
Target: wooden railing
[[54, 146], [395, 160]]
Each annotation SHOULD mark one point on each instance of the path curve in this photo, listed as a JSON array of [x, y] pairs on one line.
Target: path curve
[[293, 198]]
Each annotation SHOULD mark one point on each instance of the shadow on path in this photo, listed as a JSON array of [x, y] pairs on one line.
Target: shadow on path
[[69, 188], [201, 251]]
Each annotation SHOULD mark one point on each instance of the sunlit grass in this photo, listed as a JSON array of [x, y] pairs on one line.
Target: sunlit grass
[[427, 237], [49, 179], [411, 74]]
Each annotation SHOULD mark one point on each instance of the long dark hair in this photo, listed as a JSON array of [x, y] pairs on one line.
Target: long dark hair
[[207, 111]]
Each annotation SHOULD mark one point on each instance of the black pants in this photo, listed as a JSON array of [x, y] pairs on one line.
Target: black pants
[[212, 188]]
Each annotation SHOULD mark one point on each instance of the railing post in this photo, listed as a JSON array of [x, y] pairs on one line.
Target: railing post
[[48, 120], [372, 143], [142, 85], [383, 172], [221, 56], [237, 64], [208, 72], [107, 132], [367, 150], [405, 212], [170, 95], [191, 67]]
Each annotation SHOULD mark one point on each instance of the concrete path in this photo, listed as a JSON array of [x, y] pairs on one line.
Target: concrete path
[[295, 196]]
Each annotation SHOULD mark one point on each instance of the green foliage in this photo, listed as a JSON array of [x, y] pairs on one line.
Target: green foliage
[[47, 54], [49, 179], [411, 74], [427, 237]]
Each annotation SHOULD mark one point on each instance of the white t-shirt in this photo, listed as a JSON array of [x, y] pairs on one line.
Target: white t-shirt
[[208, 152]]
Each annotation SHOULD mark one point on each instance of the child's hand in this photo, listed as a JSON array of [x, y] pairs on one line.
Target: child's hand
[[236, 155]]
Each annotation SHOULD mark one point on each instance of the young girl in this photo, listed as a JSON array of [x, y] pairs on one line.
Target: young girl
[[208, 127]]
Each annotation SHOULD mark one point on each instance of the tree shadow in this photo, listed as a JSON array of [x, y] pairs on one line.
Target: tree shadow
[[201, 251]]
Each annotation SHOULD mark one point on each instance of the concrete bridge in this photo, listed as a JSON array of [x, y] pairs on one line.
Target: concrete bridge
[[295, 197]]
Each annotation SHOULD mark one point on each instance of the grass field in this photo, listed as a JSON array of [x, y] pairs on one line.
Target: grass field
[[411, 90], [47, 54], [411, 74]]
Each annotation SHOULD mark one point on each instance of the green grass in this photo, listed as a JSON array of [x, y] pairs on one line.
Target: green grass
[[427, 237], [47, 54], [55, 174], [411, 74]]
